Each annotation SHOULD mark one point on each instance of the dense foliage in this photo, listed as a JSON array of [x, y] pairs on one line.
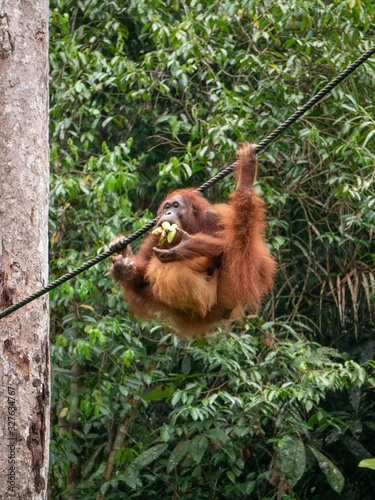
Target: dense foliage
[[151, 95]]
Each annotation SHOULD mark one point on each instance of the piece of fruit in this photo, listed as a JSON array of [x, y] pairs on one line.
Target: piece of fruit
[[166, 225], [162, 239], [166, 232], [172, 233]]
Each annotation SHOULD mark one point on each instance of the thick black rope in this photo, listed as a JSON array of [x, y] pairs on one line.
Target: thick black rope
[[260, 147]]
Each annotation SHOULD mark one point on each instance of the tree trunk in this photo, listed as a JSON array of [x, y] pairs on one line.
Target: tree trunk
[[24, 177]]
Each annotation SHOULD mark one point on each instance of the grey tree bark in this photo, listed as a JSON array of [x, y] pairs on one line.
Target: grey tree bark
[[24, 178]]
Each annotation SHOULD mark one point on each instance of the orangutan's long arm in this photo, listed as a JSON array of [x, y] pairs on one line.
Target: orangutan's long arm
[[192, 246]]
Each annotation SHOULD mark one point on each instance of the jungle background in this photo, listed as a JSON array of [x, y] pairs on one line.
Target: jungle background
[[148, 96]]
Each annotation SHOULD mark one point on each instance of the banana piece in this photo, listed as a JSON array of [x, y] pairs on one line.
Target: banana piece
[[166, 226], [166, 232], [163, 238], [172, 233]]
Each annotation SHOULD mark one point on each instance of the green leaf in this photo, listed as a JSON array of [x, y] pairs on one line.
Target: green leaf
[[334, 477], [194, 413], [164, 391], [127, 357], [186, 365], [369, 135], [293, 458], [231, 476], [369, 463], [104, 487], [308, 405], [132, 480], [218, 436], [267, 325], [175, 398], [180, 452], [64, 412], [109, 182], [165, 433], [148, 456], [198, 447]]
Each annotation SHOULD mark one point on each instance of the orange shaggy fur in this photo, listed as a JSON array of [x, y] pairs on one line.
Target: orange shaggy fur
[[224, 267]]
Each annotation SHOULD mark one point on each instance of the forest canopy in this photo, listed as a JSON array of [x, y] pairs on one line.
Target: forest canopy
[[149, 96]]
